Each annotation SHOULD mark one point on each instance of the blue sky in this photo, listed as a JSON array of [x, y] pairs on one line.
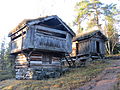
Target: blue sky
[[12, 12]]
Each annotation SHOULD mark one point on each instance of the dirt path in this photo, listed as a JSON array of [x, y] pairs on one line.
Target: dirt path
[[106, 80]]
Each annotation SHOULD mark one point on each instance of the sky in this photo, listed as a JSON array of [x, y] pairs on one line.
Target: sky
[[12, 12]]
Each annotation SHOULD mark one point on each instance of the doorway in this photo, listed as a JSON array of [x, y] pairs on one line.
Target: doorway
[[77, 48], [98, 47]]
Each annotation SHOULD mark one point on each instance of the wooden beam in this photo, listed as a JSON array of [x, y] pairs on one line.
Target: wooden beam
[[38, 27]]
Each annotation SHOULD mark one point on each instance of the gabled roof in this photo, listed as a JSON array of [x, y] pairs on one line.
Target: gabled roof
[[88, 35], [49, 21]]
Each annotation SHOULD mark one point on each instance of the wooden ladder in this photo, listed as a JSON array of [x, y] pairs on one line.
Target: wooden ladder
[[100, 56], [69, 60]]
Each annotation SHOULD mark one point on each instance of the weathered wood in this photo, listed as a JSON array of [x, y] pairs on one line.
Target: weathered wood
[[22, 66], [55, 59], [35, 63], [45, 66], [83, 58], [36, 58], [21, 61], [91, 45], [39, 45], [42, 38], [45, 42], [50, 30]]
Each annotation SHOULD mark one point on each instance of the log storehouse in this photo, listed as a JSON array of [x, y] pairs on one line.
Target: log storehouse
[[89, 45], [39, 45]]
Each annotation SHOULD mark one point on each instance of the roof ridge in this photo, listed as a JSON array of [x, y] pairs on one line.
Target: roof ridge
[[85, 35]]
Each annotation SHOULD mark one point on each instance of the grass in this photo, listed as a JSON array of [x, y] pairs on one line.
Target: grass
[[117, 85], [70, 80], [5, 75], [113, 55]]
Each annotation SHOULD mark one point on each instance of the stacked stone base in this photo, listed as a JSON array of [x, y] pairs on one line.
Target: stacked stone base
[[37, 74]]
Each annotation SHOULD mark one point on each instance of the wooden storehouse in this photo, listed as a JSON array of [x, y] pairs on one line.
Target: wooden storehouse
[[90, 45], [38, 46]]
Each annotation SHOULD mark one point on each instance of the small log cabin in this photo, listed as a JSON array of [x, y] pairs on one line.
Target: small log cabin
[[89, 45], [38, 46]]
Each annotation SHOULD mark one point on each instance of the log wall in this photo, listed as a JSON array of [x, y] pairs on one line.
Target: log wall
[[89, 46], [27, 67]]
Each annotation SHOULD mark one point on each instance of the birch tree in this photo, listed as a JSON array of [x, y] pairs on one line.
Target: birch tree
[[110, 27]]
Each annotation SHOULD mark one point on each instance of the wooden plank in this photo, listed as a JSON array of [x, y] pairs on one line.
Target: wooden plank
[[49, 43], [20, 57], [20, 61], [32, 59], [16, 45], [38, 62], [21, 66], [68, 29], [38, 27], [45, 66], [47, 59], [16, 31], [17, 35], [83, 58], [39, 57], [69, 43], [36, 54], [29, 40], [35, 62], [81, 55], [55, 58]]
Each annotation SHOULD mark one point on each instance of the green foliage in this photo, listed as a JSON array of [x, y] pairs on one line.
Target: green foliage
[[110, 10], [5, 61], [88, 9], [6, 75], [111, 33], [117, 49], [96, 15], [117, 85]]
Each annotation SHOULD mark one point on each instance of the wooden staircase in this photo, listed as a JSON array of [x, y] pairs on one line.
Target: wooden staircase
[[69, 60]]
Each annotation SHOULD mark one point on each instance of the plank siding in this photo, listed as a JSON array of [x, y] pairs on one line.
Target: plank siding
[[18, 40], [45, 42], [89, 46], [84, 47], [34, 39], [69, 43]]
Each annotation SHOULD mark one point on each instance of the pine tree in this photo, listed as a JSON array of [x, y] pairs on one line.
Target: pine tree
[[2, 54], [95, 12], [88, 9]]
